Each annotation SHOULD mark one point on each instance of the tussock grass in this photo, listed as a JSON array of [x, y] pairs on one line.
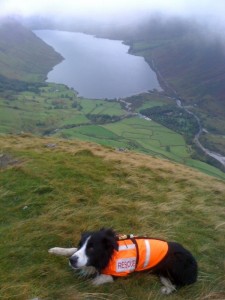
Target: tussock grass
[[54, 193]]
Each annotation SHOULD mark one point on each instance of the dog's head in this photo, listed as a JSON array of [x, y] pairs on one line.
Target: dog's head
[[95, 249]]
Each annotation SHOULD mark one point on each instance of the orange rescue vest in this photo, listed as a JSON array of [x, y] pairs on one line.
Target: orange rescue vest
[[136, 254]]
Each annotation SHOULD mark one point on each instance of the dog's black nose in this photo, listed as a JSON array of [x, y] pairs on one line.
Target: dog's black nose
[[73, 260]]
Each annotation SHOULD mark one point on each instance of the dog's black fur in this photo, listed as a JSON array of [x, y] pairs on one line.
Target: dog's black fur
[[179, 265]]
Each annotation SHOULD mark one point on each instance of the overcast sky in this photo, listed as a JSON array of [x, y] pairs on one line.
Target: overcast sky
[[91, 7], [125, 11]]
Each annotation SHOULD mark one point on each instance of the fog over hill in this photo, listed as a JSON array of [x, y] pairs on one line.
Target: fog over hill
[[117, 13], [107, 16]]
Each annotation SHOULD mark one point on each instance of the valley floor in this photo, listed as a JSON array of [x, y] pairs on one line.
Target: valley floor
[[56, 110]]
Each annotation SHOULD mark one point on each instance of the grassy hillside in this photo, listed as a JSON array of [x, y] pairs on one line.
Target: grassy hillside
[[23, 55], [52, 190], [193, 79]]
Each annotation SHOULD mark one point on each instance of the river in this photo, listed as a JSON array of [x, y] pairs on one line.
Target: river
[[97, 67]]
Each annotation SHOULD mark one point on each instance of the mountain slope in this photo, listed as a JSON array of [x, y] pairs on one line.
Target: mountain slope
[[189, 59], [54, 189], [23, 55], [187, 54]]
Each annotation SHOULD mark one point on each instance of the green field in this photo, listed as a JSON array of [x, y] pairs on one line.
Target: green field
[[55, 106], [56, 109], [148, 100], [100, 107], [134, 134], [143, 136]]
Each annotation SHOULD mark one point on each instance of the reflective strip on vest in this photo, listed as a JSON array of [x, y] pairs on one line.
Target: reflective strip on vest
[[147, 255]]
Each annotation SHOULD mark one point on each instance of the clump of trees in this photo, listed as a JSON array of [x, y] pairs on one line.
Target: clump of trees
[[174, 118], [8, 86], [102, 119], [76, 104]]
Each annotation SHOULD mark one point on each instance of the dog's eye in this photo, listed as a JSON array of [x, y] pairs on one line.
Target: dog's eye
[[90, 249], [80, 245]]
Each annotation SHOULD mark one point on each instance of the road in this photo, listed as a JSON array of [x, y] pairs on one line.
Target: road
[[208, 152]]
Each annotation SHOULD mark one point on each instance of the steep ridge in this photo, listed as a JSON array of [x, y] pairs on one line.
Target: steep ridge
[[189, 59], [23, 56]]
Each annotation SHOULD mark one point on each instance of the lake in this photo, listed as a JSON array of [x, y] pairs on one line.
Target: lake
[[97, 67]]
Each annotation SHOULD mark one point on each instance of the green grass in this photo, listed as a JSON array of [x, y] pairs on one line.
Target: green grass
[[94, 133], [134, 133], [50, 195], [98, 132], [148, 100], [142, 136], [151, 104], [50, 109], [31, 112], [102, 107]]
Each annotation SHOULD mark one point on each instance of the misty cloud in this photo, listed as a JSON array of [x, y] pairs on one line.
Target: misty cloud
[[208, 13], [107, 8]]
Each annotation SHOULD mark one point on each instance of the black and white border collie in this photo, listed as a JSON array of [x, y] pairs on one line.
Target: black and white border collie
[[96, 250]]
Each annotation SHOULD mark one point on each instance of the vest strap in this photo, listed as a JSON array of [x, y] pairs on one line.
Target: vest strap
[[137, 250]]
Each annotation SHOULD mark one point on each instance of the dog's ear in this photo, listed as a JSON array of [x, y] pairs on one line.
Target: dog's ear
[[109, 239], [83, 238]]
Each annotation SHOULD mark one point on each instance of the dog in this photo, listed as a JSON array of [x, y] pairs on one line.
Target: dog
[[108, 256]]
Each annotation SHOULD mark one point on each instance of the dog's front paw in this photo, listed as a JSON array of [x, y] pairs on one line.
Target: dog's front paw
[[101, 279], [167, 290], [168, 287], [53, 250]]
